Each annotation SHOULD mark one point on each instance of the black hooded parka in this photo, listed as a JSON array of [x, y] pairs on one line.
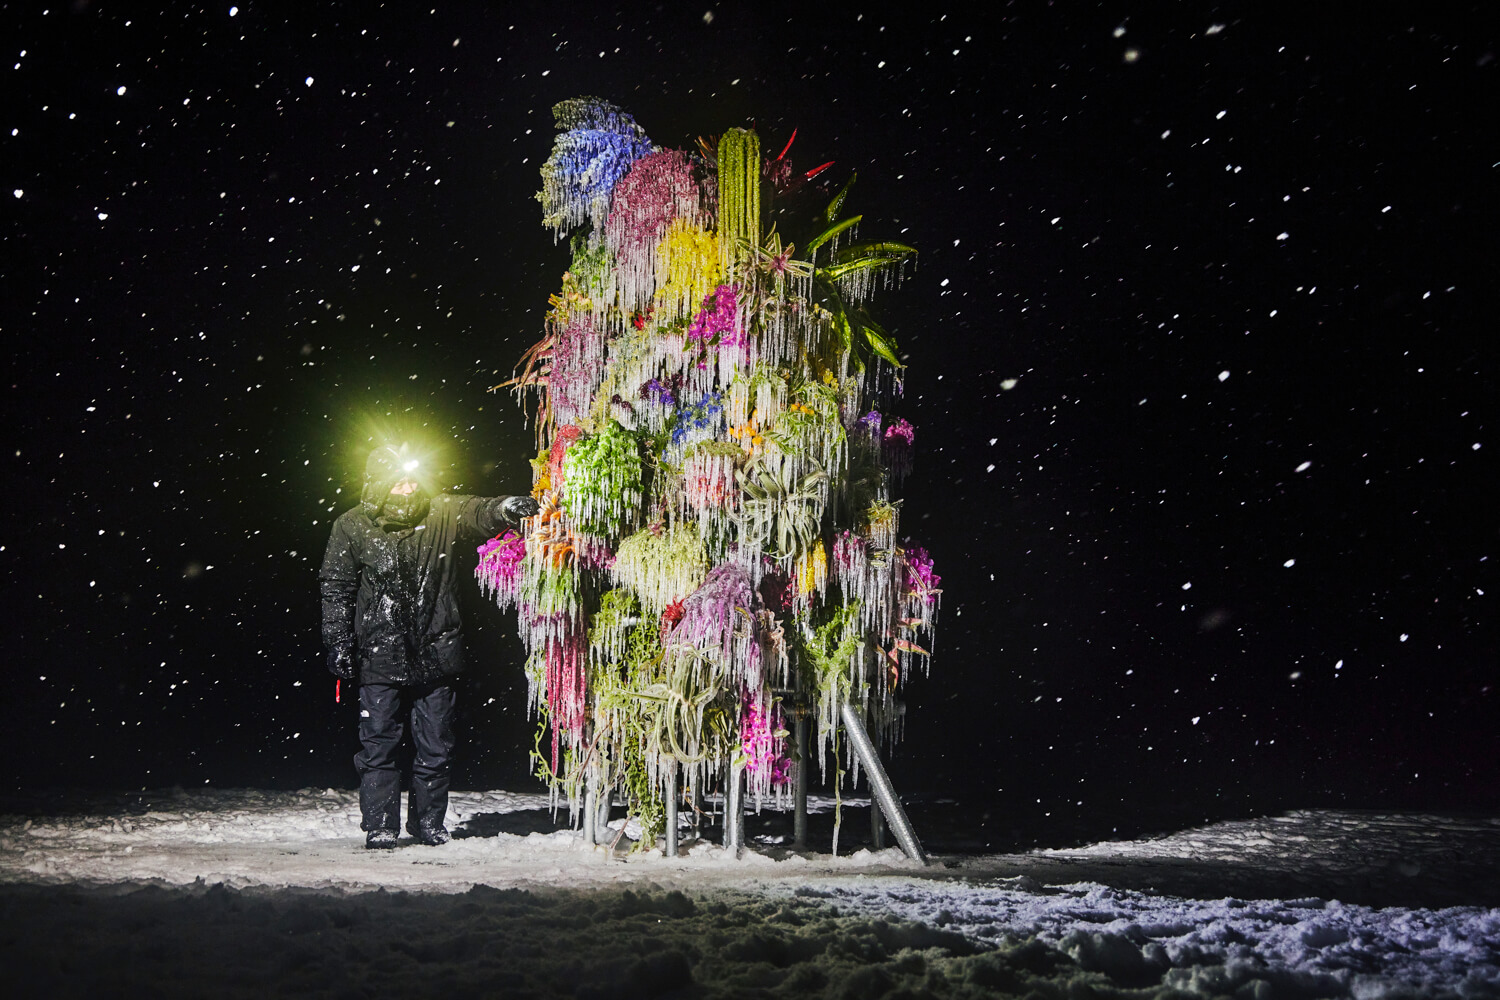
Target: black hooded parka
[[388, 581]]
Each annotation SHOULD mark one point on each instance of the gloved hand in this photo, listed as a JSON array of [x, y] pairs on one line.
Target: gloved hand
[[515, 508], [341, 663]]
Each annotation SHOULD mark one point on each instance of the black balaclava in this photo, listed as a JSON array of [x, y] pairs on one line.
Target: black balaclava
[[387, 466]]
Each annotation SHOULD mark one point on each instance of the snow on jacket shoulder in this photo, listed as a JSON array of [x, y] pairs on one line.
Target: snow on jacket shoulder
[[389, 595]]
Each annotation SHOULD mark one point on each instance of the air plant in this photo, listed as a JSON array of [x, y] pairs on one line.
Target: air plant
[[783, 506]]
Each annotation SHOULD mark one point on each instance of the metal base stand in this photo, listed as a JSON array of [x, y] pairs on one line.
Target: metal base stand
[[885, 811]]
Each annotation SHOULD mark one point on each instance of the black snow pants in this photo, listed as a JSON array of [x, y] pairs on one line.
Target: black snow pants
[[382, 722]]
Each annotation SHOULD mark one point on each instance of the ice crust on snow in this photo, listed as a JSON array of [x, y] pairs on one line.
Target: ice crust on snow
[[255, 891]]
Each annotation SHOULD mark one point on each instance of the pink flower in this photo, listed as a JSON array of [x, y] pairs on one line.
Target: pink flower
[[768, 760], [717, 321], [499, 569], [921, 581], [897, 447]]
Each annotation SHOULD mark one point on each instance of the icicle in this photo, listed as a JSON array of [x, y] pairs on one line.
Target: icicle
[[811, 576], [882, 522], [567, 691], [710, 495], [602, 482], [718, 619], [577, 367], [763, 732]]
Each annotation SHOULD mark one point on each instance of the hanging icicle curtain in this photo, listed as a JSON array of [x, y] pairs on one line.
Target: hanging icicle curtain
[[716, 470]]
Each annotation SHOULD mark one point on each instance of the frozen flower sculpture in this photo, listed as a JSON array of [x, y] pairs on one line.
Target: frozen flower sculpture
[[717, 546]]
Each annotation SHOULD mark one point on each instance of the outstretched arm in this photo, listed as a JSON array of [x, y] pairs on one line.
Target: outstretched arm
[[489, 516]]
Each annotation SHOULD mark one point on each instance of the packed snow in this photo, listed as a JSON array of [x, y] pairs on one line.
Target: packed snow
[[246, 892]]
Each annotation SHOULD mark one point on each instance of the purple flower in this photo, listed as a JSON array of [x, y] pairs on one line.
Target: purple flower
[[656, 392], [710, 613]]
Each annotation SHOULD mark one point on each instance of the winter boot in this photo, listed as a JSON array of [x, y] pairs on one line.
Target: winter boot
[[435, 837], [380, 840]]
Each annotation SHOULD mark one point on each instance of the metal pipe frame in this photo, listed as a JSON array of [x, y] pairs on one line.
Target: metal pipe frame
[[799, 794], [734, 811], [671, 848], [880, 783]]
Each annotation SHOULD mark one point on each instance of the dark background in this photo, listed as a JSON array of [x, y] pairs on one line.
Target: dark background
[[1222, 547]]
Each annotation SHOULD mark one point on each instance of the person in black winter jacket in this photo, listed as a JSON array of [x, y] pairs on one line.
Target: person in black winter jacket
[[391, 622]]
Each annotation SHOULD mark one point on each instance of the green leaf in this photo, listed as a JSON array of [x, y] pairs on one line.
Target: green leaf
[[882, 344], [832, 212], [878, 246], [830, 233], [866, 257]]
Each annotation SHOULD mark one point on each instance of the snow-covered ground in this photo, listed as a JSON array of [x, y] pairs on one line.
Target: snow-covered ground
[[245, 892]]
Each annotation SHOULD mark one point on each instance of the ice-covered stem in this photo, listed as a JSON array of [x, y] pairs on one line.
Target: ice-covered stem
[[739, 196]]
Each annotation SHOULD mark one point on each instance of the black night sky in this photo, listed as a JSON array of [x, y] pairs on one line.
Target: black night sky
[[1199, 343]]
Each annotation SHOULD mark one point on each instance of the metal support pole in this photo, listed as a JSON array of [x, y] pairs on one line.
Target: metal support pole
[[799, 794], [606, 801], [877, 827], [880, 783], [590, 811], [671, 850], [734, 810]]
